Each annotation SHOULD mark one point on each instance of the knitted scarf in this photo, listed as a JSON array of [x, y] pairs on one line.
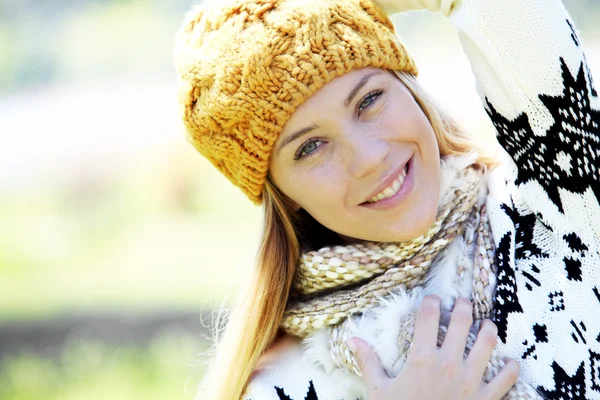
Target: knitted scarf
[[335, 283]]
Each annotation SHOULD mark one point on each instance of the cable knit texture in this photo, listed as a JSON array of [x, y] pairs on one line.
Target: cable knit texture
[[543, 207], [245, 65]]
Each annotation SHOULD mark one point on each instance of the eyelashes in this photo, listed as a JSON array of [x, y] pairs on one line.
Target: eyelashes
[[311, 146], [307, 148], [368, 100]]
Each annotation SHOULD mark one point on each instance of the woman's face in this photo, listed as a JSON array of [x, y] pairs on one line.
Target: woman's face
[[361, 158]]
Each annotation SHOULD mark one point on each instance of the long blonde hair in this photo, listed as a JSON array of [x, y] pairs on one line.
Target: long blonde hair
[[253, 323]]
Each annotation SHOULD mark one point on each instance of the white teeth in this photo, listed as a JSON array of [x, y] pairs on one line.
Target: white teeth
[[391, 190]]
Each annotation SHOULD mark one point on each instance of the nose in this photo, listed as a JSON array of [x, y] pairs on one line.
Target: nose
[[366, 152]]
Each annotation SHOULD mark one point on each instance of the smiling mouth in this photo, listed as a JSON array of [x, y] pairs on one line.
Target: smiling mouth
[[391, 190]]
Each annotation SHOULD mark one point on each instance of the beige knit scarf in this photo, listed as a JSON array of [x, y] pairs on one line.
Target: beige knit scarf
[[333, 284]]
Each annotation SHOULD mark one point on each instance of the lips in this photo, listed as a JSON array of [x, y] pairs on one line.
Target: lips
[[393, 188]]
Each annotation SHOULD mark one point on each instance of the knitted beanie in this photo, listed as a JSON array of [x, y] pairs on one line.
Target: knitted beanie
[[244, 66]]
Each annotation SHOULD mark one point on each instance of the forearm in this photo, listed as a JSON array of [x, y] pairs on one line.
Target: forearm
[[529, 63], [398, 6]]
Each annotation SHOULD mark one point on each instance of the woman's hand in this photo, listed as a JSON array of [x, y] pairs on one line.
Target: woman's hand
[[439, 373]]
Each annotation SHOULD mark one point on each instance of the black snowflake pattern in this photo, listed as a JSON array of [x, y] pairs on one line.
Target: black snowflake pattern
[[566, 386], [310, 395], [556, 301], [541, 333], [579, 331], [506, 300], [567, 156], [529, 351], [525, 247], [574, 242], [573, 269], [574, 35], [597, 293], [595, 368]]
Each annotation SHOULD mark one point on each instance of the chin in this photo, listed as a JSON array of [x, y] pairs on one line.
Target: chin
[[415, 225], [427, 221]]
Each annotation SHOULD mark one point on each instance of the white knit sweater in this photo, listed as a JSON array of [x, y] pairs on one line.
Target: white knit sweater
[[534, 82]]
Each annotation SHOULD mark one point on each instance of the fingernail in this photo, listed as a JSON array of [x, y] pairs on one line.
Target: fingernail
[[351, 343]]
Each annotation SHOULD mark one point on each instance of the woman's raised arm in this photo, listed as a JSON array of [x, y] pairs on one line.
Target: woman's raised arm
[[533, 79]]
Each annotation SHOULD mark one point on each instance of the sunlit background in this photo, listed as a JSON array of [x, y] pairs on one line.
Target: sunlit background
[[117, 240]]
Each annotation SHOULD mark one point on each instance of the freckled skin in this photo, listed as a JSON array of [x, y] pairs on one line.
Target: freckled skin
[[332, 170]]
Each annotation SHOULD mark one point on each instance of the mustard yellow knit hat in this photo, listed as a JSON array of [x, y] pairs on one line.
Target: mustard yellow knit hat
[[245, 65]]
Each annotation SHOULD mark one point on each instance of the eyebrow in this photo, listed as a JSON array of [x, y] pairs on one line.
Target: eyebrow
[[295, 136], [363, 81], [359, 86]]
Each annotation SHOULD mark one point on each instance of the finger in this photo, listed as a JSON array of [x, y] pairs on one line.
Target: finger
[[482, 350], [368, 362], [427, 324], [458, 330], [501, 383]]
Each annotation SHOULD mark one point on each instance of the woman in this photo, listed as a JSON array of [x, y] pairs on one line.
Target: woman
[[312, 108]]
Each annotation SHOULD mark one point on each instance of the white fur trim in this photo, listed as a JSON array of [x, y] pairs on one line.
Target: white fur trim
[[450, 166]]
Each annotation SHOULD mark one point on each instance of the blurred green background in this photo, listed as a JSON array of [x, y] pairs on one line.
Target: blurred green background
[[117, 240]]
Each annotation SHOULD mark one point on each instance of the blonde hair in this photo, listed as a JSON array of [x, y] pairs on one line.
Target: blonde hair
[[254, 321]]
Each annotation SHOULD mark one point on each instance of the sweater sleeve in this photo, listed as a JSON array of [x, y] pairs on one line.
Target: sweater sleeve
[[534, 82]]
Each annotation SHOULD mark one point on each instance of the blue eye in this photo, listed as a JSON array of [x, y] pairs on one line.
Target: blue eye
[[307, 148], [368, 100]]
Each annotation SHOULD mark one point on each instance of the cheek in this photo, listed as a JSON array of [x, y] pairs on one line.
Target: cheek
[[318, 190], [417, 129], [405, 117]]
